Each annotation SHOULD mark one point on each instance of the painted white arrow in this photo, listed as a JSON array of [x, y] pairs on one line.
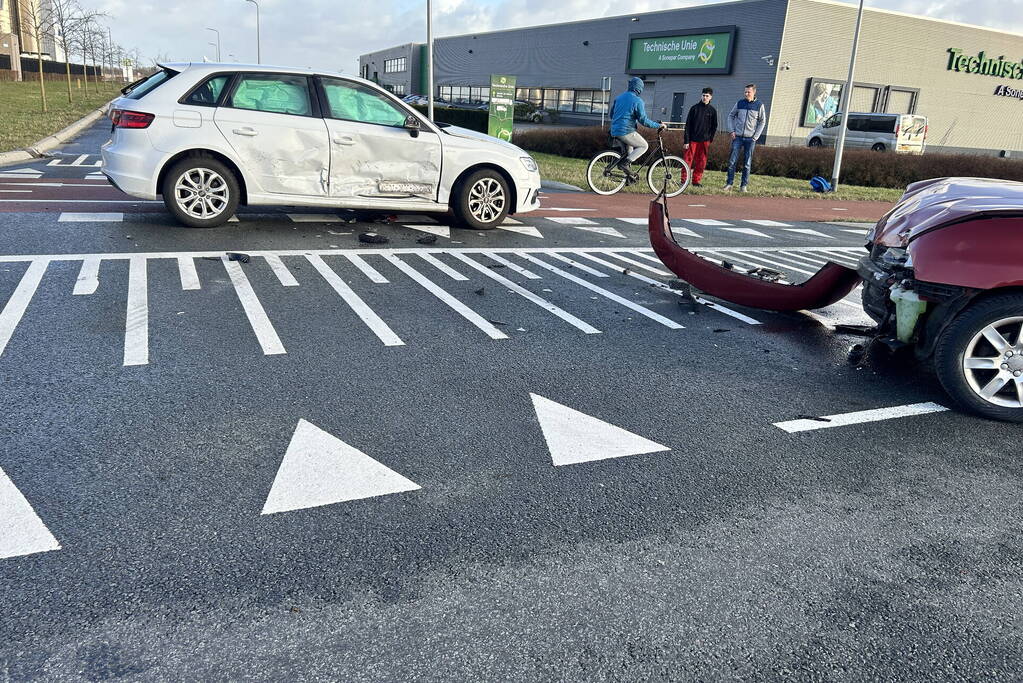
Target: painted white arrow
[[520, 229], [21, 530], [320, 469], [573, 437]]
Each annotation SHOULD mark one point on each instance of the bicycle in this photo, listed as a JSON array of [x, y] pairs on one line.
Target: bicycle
[[667, 172]]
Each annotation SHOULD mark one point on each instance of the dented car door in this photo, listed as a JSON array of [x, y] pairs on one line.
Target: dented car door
[[373, 156], [273, 124]]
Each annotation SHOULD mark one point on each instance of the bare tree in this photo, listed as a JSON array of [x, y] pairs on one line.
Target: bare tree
[[68, 19], [38, 19]]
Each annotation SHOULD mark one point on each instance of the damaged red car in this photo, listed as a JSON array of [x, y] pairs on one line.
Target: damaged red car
[[943, 275]]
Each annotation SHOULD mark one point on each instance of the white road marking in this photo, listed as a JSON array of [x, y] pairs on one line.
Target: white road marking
[[837, 208], [808, 231], [369, 271], [15, 307], [642, 310], [431, 228], [635, 221], [573, 437], [766, 224], [189, 276], [136, 322], [319, 469], [16, 191], [21, 530], [580, 266], [526, 294], [571, 221], [314, 218], [81, 201], [684, 231], [860, 233], [453, 303], [853, 257], [740, 257], [511, 221], [514, 267], [443, 267], [859, 417], [554, 208], [705, 221], [520, 229], [97, 217], [610, 232], [749, 231], [358, 306], [284, 275], [258, 319], [88, 277]]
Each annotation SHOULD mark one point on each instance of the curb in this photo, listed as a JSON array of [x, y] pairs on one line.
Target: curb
[[36, 150], [559, 187]]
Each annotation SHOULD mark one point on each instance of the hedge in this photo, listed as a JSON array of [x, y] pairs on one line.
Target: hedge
[[473, 119], [859, 167]]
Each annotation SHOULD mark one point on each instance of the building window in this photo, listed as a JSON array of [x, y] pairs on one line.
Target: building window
[[365, 71], [394, 66], [591, 101], [397, 89]]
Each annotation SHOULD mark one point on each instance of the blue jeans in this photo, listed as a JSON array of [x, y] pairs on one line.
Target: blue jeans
[[747, 145]]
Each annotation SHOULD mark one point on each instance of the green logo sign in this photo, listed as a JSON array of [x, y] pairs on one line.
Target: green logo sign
[[502, 107], [708, 51], [999, 66]]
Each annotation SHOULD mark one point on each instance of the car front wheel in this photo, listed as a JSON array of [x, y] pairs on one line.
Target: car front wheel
[[201, 192], [979, 358], [815, 142], [482, 201]]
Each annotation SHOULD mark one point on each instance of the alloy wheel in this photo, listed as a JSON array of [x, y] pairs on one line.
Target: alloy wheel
[[201, 193], [486, 200], [993, 363]]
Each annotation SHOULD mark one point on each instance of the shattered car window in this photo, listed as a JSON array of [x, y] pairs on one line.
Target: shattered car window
[[354, 102], [273, 93]]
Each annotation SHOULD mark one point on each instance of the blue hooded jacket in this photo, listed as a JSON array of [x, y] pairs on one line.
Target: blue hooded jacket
[[628, 109]]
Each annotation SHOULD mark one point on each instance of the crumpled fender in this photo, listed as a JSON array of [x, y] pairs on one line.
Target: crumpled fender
[[828, 285]]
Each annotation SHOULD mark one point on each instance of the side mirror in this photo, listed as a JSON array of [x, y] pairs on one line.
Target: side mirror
[[413, 126]]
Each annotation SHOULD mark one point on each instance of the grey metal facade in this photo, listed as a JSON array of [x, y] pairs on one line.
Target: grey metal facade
[[372, 67]]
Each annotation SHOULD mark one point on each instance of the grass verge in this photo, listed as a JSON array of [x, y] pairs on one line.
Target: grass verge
[[22, 120], [573, 172]]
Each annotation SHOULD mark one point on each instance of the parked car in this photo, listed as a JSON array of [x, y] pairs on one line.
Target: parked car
[[210, 137], [942, 276], [903, 133]]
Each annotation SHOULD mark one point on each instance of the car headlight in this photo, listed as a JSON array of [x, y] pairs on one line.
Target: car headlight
[[529, 164]]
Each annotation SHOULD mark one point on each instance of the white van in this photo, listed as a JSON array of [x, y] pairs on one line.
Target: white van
[[904, 133]]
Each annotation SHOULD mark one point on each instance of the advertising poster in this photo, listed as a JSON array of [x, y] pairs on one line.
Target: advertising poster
[[706, 51], [502, 107], [822, 101]]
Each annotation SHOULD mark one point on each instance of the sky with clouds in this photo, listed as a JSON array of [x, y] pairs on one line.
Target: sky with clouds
[[331, 34]]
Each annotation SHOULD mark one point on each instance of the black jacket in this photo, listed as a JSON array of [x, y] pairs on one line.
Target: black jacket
[[702, 123]]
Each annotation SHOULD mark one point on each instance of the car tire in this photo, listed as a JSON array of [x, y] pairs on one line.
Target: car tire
[[536, 118], [964, 339], [815, 142], [878, 147], [481, 201], [201, 192]]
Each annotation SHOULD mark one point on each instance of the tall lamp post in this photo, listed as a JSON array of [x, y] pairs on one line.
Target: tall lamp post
[[429, 57], [259, 56], [218, 41], [847, 92]]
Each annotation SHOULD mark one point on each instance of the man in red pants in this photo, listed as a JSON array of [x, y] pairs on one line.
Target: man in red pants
[[701, 125]]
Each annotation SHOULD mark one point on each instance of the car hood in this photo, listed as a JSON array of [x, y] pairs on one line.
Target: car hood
[[507, 147], [931, 204]]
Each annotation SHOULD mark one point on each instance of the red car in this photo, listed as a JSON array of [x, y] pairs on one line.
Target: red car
[[943, 274]]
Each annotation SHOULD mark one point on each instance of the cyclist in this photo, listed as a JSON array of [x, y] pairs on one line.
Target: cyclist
[[628, 110]]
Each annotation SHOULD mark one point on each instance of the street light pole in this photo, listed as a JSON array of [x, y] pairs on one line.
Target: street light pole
[[259, 56], [847, 92], [429, 57], [218, 41]]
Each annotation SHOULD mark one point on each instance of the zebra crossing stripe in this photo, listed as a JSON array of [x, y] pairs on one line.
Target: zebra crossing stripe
[[280, 270], [767, 224], [355, 302], [88, 277], [187, 273], [514, 267], [443, 267], [16, 305], [578, 266], [136, 322], [369, 271], [254, 311]]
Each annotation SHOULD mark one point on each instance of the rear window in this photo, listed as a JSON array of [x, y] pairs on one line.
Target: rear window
[[881, 124], [140, 89], [912, 125]]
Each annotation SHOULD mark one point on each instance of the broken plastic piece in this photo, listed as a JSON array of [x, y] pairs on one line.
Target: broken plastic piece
[[373, 238], [427, 239], [235, 256]]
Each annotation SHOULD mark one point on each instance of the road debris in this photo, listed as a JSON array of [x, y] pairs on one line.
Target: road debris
[[373, 238], [856, 354], [427, 239], [236, 256], [481, 291]]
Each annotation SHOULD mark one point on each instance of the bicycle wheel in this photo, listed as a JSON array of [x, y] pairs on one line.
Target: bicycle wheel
[[603, 175], [670, 173]]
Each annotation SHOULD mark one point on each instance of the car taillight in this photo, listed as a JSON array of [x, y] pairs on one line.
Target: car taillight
[[897, 130], [925, 131], [131, 119]]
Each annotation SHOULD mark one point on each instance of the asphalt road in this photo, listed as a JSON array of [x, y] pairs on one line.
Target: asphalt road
[[500, 456]]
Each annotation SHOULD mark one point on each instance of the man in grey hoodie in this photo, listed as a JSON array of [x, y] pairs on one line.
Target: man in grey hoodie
[[746, 123]]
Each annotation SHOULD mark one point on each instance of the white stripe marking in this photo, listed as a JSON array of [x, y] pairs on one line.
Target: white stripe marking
[[369, 271], [453, 303], [261, 325], [705, 221], [570, 220], [808, 231], [136, 321], [88, 277], [528, 295], [635, 221], [440, 230], [284, 275], [97, 217], [767, 224], [17, 191], [22, 532], [511, 221], [365, 313], [610, 232], [314, 218], [575, 264], [740, 257], [859, 233], [514, 267], [858, 417], [642, 310], [443, 267], [684, 231], [520, 229], [16, 305], [189, 276], [749, 231]]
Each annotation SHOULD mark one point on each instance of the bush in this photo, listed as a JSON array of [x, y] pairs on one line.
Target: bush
[[473, 119], [859, 167]]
